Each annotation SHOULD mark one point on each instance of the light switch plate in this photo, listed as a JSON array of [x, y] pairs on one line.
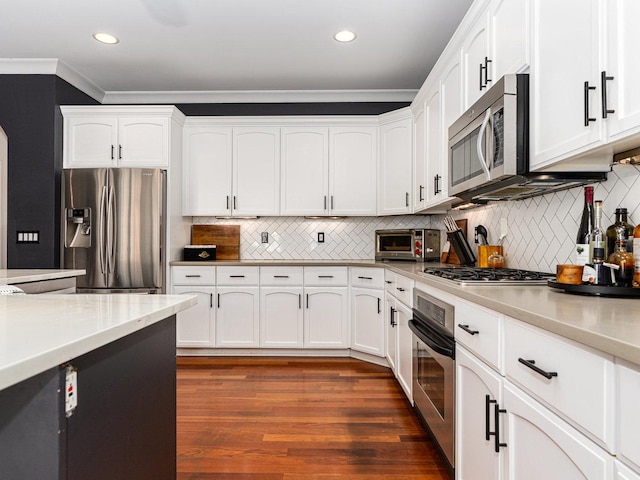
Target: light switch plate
[[320, 237], [264, 237]]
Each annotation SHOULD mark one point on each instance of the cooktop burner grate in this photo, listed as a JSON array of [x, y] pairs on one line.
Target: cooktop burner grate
[[492, 276]]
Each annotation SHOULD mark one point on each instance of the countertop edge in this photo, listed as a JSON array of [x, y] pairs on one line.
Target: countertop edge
[[17, 276]]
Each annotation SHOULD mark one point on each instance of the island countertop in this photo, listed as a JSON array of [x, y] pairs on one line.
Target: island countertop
[[12, 276], [38, 332]]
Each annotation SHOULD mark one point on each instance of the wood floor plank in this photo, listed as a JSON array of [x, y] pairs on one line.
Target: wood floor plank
[[263, 418]]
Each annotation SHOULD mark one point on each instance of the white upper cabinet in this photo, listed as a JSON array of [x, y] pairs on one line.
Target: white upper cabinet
[[436, 171], [565, 76], [352, 170], [477, 64], [305, 171], [396, 156], [419, 157], [256, 171], [207, 167], [105, 136]]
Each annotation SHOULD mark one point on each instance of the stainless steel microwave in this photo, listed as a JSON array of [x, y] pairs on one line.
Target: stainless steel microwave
[[489, 149], [408, 244]]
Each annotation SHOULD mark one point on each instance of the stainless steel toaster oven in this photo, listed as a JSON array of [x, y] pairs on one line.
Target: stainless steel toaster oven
[[420, 245]]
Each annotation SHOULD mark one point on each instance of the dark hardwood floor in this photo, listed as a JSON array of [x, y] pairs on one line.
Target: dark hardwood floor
[[297, 418]]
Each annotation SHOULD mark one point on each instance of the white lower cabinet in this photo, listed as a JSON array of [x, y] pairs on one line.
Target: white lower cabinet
[[628, 417], [478, 392], [281, 317], [195, 326], [237, 317], [405, 349], [391, 324], [326, 317], [622, 472], [367, 321], [541, 445]]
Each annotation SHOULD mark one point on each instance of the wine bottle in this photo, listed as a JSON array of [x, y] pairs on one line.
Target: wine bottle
[[584, 231], [623, 259], [636, 256], [612, 235], [598, 237]]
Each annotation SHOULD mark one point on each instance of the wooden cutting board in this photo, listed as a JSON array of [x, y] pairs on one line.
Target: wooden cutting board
[[226, 238]]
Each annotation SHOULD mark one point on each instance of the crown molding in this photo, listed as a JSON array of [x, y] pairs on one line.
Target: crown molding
[[259, 96]]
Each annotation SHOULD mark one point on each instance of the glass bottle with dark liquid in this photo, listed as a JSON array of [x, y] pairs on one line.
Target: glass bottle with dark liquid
[[623, 259]]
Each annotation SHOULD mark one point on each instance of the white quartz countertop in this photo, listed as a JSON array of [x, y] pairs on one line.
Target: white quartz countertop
[[611, 325], [38, 332], [13, 276]]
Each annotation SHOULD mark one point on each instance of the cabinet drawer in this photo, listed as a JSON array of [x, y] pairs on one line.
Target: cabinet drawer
[[479, 330], [281, 275], [572, 379], [364, 277], [238, 275], [324, 276], [404, 290], [390, 282], [193, 275]]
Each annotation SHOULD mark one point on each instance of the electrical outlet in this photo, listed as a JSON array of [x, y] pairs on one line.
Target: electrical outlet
[[28, 237], [70, 391], [264, 237], [320, 237]]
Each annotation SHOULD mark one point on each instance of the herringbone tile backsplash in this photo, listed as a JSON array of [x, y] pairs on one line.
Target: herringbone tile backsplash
[[541, 234]]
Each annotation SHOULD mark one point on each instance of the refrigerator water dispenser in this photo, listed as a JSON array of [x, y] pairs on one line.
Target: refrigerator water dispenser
[[78, 228]]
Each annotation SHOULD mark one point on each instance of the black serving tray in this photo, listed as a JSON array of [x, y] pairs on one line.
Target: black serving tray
[[597, 290]]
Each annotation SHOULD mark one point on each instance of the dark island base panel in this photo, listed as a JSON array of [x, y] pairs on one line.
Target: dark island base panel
[[125, 423]]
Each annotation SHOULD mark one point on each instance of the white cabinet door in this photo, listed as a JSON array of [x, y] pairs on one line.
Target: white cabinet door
[[541, 445], [207, 171], [238, 317], [622, 472], [391, 323], [622, 93], [478, 391], [419, 158], [326, 317], [628, 418], [281, 317], [451, 95], [256, 171], [195, 325], [394, 179], [567, 38], [143, 142], [352, 170], [405, 349], [90, 142], [367, 321], [436, 182], [305, 171], [475, 52], [509, 31]]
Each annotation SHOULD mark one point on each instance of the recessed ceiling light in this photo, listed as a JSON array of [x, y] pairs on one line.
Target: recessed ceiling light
[[345, 36], [106, 38]]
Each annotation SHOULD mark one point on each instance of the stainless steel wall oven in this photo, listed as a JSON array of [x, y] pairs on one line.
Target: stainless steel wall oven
[[434, 368]]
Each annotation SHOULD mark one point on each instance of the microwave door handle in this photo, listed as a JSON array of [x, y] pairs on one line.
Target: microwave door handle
[[481, 159]]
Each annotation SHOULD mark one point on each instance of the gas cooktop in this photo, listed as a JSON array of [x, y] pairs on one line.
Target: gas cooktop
[[490, 276]]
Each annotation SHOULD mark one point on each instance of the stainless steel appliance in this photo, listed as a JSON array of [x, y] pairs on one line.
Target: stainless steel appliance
[[434, 368], [114, 228], [489, 149], [489, 276], [408, 244]]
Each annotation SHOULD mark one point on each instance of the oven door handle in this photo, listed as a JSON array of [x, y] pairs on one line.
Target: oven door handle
[[446, 350]]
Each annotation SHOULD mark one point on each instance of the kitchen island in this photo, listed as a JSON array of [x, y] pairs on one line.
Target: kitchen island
[[122, 350]]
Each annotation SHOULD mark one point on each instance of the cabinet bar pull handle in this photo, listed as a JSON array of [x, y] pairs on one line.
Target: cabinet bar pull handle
[[236, 276], [281, 276], [307, 301], [193, 276], [393, 320], [119, 152], [325, 202], [532, 365], [400, 289], [218, 300], [227, 202], [379, 305], [587, 118], [486, 71], [406, 199], [603, 80], [487, 415], [211, 300], [366, 278], [497, 411], [331, 202], [481, 85], [388, 281], [299, 301], [421, 193], [436, 184], [235, 203], [467, 329], [325, 276], [112, 152]]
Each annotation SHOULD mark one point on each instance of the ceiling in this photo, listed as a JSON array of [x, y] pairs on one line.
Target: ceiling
[[189, 50]]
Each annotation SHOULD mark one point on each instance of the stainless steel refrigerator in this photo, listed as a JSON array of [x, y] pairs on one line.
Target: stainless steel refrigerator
[[114, 228]]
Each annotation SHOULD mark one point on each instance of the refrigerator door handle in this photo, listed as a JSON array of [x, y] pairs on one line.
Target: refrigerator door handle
[[101, 230], [111, 226]]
